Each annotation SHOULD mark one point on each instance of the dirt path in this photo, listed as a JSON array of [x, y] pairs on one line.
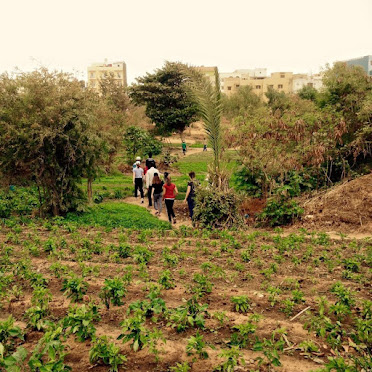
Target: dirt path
[[163, 216]]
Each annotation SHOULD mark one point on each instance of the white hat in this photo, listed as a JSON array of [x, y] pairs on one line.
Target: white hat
[[138, 158], [138, 162]]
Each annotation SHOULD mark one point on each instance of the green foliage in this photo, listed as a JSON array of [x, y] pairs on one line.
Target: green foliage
[[48, 135], [80, 321], [139, 142], [106, 352], [241, 303], [74, 287], [181, 367], [166, 280], [115, 215], [232, 358], [196, 344], [307, 92], [168, 103], [189, 315], [48, 355], [113, 291], [241, 104], [20, 200], [280, 211], [216, 209], [13, 362], [9, 333], [241, 337]]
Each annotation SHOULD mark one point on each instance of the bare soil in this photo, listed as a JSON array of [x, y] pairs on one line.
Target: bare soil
[[346, 207]]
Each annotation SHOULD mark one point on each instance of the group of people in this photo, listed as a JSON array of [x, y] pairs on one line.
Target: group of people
[[160, 189]]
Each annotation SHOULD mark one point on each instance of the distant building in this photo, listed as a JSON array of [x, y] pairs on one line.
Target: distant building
[[303, 80], [259, 82], [98, 71], [365, 62], [208, 72]]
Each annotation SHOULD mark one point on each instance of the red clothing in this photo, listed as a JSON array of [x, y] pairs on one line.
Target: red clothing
[[169, 191]]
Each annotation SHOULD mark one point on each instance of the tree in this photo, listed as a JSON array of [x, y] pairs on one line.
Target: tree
[[347, 89], [49, 135], [241, 103], [166, 97], [308, 92], [139, 142]]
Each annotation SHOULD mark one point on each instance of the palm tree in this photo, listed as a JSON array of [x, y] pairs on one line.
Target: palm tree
[[209, 102]]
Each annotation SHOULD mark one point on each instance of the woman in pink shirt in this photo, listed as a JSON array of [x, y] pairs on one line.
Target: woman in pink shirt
[[169, 194]]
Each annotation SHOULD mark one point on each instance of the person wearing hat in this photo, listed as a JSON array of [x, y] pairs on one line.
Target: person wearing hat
[[138, 180], [138, 158]]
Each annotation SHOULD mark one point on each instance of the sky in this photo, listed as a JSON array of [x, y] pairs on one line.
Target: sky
[[280, 35]]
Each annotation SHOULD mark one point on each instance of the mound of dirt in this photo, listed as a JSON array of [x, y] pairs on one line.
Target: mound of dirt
[[346, 207]]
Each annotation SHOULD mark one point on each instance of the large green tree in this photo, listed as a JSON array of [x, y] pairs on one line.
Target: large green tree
[[49, 135], [166, 97]]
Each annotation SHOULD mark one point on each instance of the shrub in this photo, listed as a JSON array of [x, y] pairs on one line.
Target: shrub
[[280, 211], [216, 209]]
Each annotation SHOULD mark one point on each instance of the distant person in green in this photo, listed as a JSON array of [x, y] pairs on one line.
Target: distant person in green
[[184, 147]]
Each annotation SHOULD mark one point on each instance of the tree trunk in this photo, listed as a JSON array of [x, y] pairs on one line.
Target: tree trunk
[[90, 190]]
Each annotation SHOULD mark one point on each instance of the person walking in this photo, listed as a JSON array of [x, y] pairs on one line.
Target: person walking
[[205, 147], [149, 177], [138, 158], [184, 147], [138, 180], [190, 194], [157, 193], [170, 193]]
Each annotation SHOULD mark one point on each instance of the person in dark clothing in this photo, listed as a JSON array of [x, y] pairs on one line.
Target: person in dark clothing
[[170, 193], [157, 193], [150, 162], [190, 194]]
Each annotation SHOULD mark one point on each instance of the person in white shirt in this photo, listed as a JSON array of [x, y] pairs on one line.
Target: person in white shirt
[[138, 180], [149, 177]]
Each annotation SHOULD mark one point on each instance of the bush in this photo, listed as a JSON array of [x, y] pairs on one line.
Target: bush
[[280, 211], [216, 209]]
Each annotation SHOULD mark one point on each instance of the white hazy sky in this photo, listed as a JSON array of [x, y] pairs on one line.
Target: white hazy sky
[[281, 35]]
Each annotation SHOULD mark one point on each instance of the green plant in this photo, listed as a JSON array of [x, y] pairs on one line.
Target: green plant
[[196, 344], [142, 255], [113, 291], [189, 315], [74, 287], [166, 280], [35, 317], [279, 211], [181, 367], [106, 352], [15, 361], [49, 354], [241, 303], [133, 328], [241, 338], [232, 358], [80, 321], [9, 333]]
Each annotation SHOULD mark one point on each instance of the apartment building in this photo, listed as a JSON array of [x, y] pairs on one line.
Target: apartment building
[[260, 83], [98, 71], [302, 80], [365, 62]]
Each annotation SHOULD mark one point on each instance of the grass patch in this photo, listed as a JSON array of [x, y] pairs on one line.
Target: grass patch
[[112, 214]]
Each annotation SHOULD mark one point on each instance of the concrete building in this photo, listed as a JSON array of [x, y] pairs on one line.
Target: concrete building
[[365, 62], [208, 72], [302, 80], [98, 71], [280, 81]]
